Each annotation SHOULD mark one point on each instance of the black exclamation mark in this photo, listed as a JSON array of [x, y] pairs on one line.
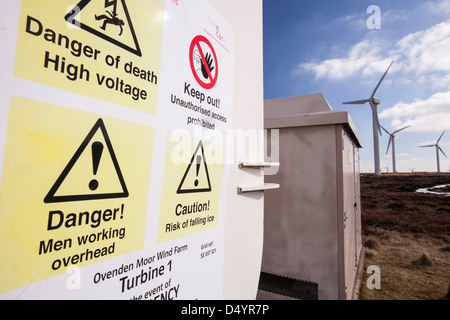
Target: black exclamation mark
[[199, 160], [97, 150]]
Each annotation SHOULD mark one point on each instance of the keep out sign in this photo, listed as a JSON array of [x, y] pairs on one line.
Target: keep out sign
[[203, 61]]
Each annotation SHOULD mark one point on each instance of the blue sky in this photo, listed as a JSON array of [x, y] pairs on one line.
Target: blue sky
[[326, 46]]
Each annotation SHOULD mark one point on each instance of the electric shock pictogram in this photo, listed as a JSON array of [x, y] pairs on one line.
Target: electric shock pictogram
[[112, 22]]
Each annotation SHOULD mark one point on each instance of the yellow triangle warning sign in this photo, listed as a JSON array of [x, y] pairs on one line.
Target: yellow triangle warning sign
[[92, 173], [196, 177], [107, 19]]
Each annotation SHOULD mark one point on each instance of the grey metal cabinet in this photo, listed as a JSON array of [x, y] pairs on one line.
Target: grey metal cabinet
[[312, 223]]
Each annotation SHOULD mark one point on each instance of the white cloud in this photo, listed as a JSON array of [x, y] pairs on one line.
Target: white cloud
[[425, 51], [363, 58], [392, 16], [423, 55], [423, 115], [438, 7], [355, 21]]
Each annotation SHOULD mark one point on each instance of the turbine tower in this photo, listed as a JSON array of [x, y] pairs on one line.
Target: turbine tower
[[374, 102], [438, 148], [392, 139]]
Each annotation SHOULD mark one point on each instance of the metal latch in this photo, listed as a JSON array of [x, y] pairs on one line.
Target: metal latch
[[266, 186], [258, 164]]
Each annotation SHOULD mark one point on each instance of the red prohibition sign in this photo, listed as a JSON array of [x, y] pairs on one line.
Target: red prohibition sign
[[196, 44]]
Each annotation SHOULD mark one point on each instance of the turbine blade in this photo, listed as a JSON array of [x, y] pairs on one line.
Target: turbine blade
[[357, 102], [379, 83], [442, 151], [389, 144], [401, 129], [379, 126], [385, 131], [428, 146], [440, 137]]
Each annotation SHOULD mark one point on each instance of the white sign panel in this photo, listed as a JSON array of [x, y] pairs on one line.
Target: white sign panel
[[113, 117]]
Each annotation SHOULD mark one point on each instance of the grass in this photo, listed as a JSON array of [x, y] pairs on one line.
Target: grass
[[407, 235], [413, 267]]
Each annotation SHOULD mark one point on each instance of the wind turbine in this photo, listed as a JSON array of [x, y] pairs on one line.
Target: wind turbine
[[374, 102], [392, 139], [438, 148]]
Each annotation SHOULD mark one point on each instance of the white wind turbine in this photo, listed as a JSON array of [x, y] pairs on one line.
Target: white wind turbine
[[374, 102], [392, 139], [438, 148]]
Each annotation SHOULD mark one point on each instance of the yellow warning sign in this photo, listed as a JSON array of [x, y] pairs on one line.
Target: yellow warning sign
[[191, 190], [106, 49], [74, 190]]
